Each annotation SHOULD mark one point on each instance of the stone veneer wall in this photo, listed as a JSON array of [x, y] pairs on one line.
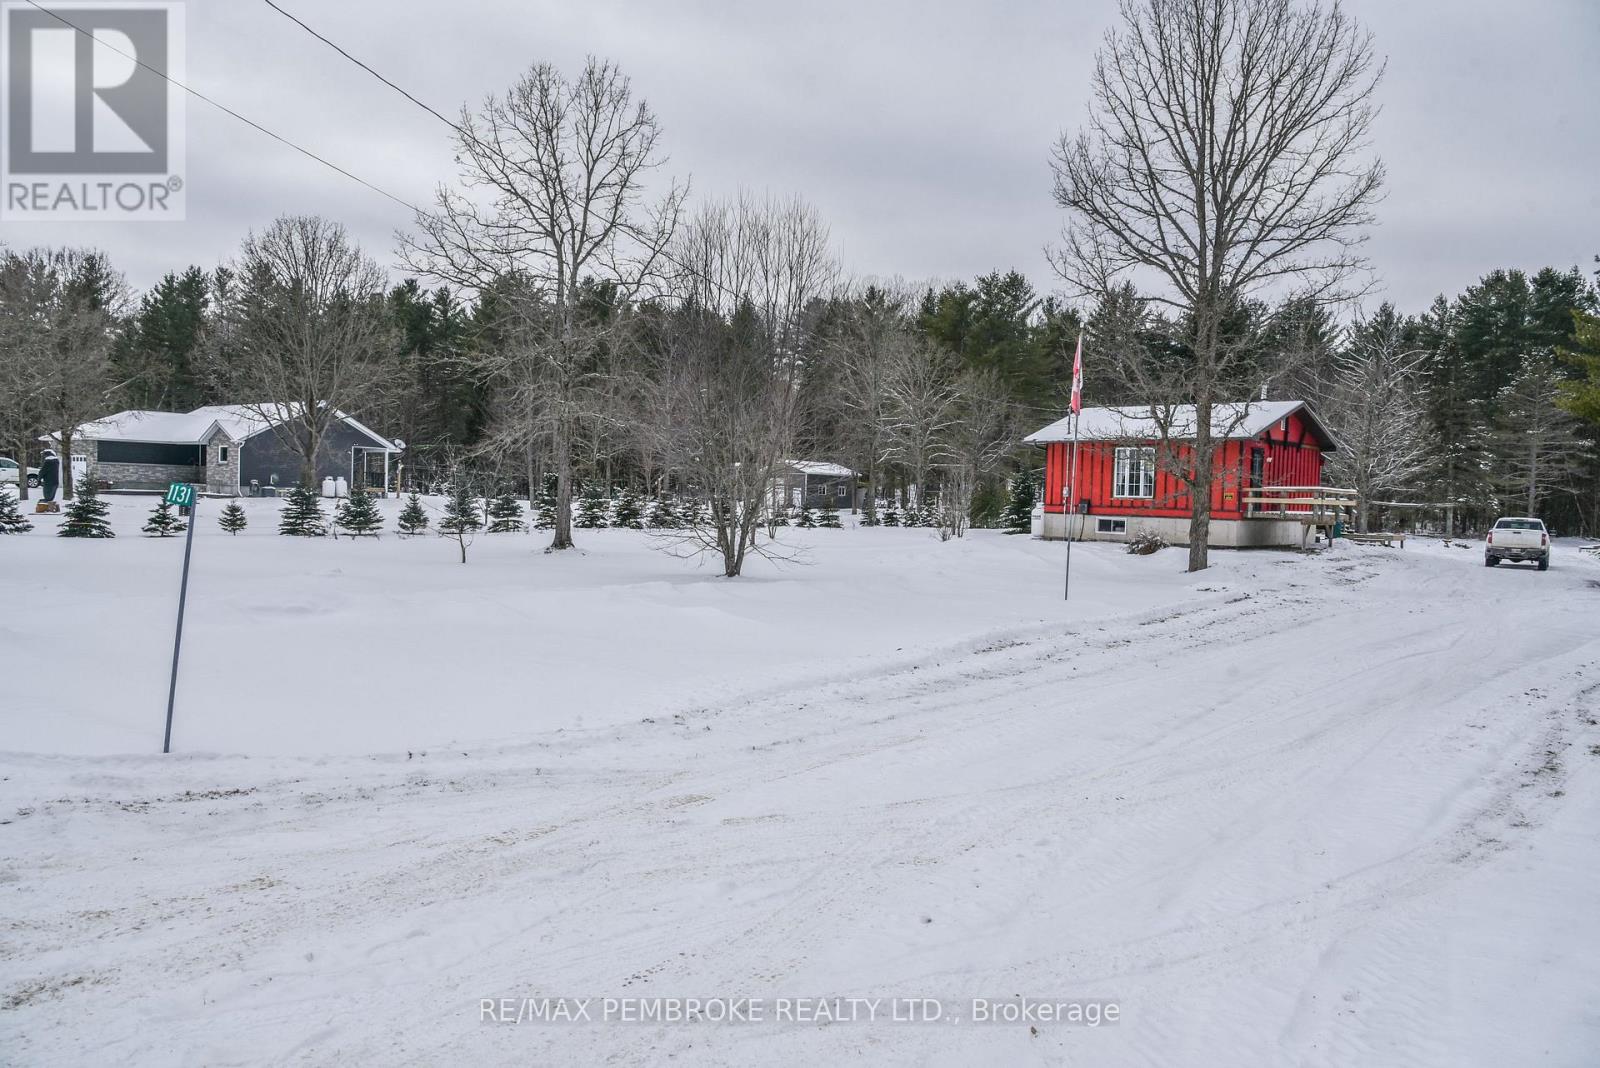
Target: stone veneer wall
[[218, 476], [222, 476]]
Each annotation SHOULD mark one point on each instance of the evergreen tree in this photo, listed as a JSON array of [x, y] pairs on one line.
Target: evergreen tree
[[1536, 443], [460, 515], [593, 509], [12, 521], [890, 517], [1018, 515], [869, 512], [505, 515], [233, 518], [544, 510], [629, 511], [302, 515], [163, 522], [413, 517], [87, 516], [359, 516], [806, 520], [829, 518], [664, 514], [460, 511], [778, 518], [1581, 396]]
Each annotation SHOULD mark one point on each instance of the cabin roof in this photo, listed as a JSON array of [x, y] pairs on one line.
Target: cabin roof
[[1142, 422]]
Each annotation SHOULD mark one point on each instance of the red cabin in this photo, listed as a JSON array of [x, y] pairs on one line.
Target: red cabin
[[1124, 483]]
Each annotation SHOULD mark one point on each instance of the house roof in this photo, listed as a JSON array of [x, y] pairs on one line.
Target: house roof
[[238, 421], [820, 468], [166, 428], [1245, 419]]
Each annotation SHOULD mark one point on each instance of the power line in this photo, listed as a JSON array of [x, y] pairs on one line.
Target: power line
[[226, 110], [448, 122]]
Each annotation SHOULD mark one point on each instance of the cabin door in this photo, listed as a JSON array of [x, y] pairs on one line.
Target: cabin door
[[1258, 469]]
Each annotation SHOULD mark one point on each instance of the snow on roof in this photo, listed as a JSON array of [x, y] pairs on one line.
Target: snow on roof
[[166, 428], [817, 467], [1138, 422], [238, 421]]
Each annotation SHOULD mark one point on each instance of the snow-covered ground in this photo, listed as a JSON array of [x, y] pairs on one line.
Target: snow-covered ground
[[1331, 810]]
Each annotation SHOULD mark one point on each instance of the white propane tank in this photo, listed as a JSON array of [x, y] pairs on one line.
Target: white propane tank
[[327, 487], [341, 488], [1038, 521]]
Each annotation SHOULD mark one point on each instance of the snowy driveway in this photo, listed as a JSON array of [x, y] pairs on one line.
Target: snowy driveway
[[1336, 811]]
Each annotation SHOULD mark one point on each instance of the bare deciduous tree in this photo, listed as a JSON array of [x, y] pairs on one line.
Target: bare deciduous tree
[[552, 188], [1374, 406], [311, 334], [725, 396], [923, 406], [982, 434], [58, 315], [1224, 156], [865, 345]]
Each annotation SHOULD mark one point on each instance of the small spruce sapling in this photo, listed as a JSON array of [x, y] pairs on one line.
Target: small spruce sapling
[[629, 511], [593, 509], [1018, 515], [359, 516], [163, 522], [806, 520], [830, 518], [890, 516], [505, 515], [460, 517], [87, 516], [413, 517], [544, 512], [664, 514], [12, 521], [302, 515], [233, 518]]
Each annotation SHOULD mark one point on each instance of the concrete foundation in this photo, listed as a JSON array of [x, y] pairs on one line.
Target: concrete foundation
[[1225, 533]]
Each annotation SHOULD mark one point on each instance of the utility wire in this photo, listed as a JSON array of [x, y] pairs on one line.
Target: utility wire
[[227, 110], [448, 122]]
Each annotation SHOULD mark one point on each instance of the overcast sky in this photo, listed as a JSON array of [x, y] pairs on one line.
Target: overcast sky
[[920, 129]]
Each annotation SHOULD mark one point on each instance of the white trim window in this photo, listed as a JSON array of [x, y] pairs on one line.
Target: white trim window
[[1135, 473]]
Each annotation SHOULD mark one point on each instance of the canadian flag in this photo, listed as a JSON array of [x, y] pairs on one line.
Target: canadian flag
[[1077, 378]]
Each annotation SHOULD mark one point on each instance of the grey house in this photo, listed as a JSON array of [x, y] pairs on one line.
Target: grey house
[[814, 484], [230, 449]]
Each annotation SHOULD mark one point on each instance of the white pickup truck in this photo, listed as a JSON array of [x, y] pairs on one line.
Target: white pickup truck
[[1517, 538]]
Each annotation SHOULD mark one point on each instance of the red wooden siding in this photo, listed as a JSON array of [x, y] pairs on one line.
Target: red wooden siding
[[1290, 457]]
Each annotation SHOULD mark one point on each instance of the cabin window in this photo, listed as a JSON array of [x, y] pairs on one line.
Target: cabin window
[[843, 491], [149, 452], [1111, 526], [222, 454], [1135, 473]]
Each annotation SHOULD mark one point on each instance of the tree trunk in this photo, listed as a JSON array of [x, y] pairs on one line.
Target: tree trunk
[[1200, 501], [563, 463], [22, 471], [66, 464]]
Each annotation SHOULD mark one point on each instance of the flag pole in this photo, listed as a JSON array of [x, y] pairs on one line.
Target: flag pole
[[1069, 505]]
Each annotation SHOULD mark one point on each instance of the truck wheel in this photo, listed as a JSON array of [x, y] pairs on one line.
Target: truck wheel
[[1544, 562], [1490, 561]]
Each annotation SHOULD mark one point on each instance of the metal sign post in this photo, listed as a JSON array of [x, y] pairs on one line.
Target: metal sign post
[[182, 495]]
